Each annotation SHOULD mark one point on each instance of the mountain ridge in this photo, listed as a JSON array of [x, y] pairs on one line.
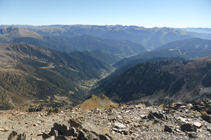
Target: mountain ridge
[[160, 82], [35, 75], [68, 44], [150, 38]]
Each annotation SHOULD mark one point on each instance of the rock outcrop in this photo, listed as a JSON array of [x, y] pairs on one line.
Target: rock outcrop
[[138, 122]]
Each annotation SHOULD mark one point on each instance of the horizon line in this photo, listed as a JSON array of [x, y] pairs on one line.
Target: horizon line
[[96, 25]]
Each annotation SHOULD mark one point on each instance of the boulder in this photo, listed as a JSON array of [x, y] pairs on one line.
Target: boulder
[[45, 136], [192, 135], [13, 135], [158, 115], [72, 132], [206, 118], [74, 123], [119, 125], [167, 129], [104, 137], [197, 124], [82, 135], [62, 129], [188, 127]]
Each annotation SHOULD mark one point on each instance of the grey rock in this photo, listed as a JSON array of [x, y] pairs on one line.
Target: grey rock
[[13, 135], [82, 135], [167, 129], [137, 124], [62, 129], [119, 125], [209, 130], [104, 137], [206, 118], [188, 127], [74, 123], [115, 129], [72, 132], [45, 136], [197, 124], [21, 136], [143, 116], [192, 135], [62, 138], [150, 116], [157, 115], [182, 107], [51, 138], [54, 132], [156, 121]]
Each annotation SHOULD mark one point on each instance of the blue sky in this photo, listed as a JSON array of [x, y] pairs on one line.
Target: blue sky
[[147, 13]]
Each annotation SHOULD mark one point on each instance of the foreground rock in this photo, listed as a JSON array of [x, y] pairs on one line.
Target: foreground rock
[[176, 121]]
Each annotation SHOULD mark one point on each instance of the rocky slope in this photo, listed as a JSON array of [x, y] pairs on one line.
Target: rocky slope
[[127, 122], [160, 82]]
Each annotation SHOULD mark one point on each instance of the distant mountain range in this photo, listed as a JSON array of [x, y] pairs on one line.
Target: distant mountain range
[[150, 38], [67, 44], [160, 82], [198, 30], [188, 44], [188, 49], [87, 42]]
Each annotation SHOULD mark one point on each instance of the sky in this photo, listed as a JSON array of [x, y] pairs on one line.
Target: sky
[[147, 13]]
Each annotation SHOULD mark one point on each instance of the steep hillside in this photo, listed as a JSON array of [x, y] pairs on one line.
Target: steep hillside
[[89, 59], [87, 42], [104, 57], [188, 50], [136, 61], [160, 82], [160, 36], [34, 75], [188, 44]]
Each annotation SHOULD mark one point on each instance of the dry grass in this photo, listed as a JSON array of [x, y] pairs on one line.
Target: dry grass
[[50, 66], [97, 102], [203, 113], [71, 92], [60, 99]]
